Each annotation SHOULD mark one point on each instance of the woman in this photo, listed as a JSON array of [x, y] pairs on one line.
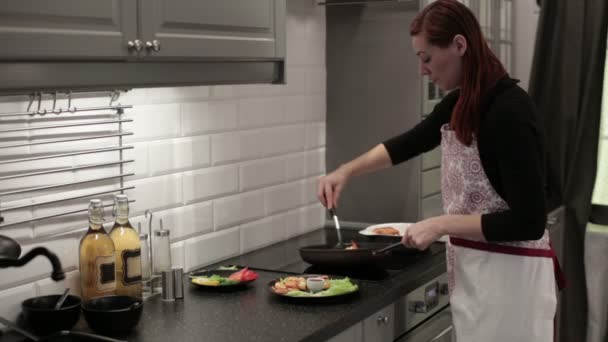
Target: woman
[[500, 262]]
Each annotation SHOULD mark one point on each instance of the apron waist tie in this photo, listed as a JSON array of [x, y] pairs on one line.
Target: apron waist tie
[[560, 277]]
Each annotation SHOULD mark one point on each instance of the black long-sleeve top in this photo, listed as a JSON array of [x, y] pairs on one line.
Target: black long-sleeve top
[[511, 150]]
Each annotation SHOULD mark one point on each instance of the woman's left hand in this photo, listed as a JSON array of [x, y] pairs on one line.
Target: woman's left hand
[[422, 234]]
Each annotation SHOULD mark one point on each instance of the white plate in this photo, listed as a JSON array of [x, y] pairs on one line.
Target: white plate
[[401, 227]]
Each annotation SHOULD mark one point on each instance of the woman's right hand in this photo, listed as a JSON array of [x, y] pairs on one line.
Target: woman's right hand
[[330, 186]]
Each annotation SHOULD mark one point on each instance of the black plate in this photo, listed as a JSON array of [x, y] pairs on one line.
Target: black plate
[[221, 273], [315, 300]]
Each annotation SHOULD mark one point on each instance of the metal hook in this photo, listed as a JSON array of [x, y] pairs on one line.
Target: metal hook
[[70, 109], [29, 105], [114, 96], [58, 110], [41, 112]]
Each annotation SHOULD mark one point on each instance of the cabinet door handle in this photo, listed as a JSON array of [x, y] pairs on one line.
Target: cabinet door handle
[[136, 45], [153, 45], [382, 320]]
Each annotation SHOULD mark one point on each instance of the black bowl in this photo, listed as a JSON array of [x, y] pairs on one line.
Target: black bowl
[[112, 314], [40, 314]]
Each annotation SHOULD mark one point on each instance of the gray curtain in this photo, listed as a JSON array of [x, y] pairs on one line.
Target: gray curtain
[[566, 84]]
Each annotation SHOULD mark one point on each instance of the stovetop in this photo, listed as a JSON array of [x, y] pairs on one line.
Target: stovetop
[[285, 257]]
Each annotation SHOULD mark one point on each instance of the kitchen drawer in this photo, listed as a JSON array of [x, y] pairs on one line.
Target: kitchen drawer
[[431, 206], [431, 182], [431, 159], [380, 326]]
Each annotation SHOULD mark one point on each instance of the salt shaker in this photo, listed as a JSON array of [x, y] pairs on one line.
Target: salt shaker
[[167, 285], [178, 282]]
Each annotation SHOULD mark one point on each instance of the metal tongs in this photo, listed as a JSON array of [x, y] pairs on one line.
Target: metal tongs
[[332, 212], [387, 248]]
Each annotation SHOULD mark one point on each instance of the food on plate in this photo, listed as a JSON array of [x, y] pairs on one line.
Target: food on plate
[[297, 287], [353, 245], [386, 231], [243, 275]]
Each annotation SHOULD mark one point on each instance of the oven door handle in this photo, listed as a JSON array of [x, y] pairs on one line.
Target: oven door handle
[[443, 333]]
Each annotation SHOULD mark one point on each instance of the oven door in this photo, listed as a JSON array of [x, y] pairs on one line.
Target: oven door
[[438, 328]]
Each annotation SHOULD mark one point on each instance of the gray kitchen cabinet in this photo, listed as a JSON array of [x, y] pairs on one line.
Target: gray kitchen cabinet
[[158, 29], [352, 334], [380, 326], [213, 29], [67, 29]]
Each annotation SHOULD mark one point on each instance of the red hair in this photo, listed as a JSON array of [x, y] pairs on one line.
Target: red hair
[[441, 21]]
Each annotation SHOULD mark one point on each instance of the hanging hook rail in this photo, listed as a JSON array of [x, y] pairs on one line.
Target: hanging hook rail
[[67, 140], [46, 217], [29, 205], [54, 186], [107, 149], [67, 169], [100, 122], [92, 120]]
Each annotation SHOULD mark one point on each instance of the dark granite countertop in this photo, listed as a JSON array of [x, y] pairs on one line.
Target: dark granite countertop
[[256, 314]]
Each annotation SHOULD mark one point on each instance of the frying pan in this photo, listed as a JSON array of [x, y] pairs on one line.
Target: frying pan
[[330, 256]]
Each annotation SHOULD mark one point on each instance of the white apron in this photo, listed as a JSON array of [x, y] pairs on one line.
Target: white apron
[[499, 292]]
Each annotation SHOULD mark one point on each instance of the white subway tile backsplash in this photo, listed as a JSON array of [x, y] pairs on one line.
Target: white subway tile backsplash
[[174, 155], [11, 301], [316, 81], [209, 183], [188, 220], [223, 92], [173, 95], [225, 148], [40, 268], [263, 172], [310, 163], [155, 193], [260, 112], [254, 144], [285, 139], [152, 122], [305, 108], [178, 252], [264, 232], [285, 196], [315, 164], [139, 166], [211, 248], [249, 90], [315, 135], [229, 211], [48, 286], [205, 117]]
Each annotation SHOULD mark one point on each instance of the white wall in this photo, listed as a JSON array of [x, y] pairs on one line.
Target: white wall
[[525, 23], [228, 168]]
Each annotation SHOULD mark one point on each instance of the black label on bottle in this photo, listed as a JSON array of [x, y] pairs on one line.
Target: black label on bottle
[[131, 263], [107, 273]]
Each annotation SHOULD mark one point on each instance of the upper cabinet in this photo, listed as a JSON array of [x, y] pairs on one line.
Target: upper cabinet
[[152, 29], [93, 44], [67, 29], [212, 29]]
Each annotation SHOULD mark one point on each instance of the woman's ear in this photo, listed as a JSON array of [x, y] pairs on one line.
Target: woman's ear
[[460, 43]]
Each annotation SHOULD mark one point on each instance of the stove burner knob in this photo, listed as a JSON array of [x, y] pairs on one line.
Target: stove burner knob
[[444, 289], [417, 306]]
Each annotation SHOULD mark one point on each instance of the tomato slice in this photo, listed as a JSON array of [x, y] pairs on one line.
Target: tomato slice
[[243, 275]]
